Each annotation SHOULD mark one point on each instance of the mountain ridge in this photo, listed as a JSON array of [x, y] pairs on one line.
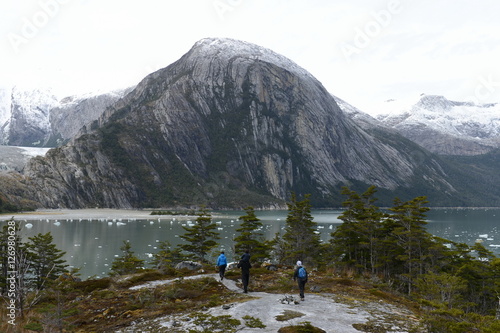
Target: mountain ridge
[[447, 127], [231, 124], [36, 117]]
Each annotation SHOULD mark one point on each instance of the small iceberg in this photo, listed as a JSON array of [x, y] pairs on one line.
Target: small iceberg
[[28, 225]]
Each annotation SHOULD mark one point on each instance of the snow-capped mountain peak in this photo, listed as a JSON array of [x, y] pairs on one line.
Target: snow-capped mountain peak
[[230, 48], [433, 115]]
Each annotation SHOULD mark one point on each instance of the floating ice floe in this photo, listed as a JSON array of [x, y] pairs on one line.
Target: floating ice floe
[[483, 236]]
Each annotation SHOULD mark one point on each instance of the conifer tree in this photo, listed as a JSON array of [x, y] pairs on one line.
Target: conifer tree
[[45, 259], [128, 263], [250, 238], [358, 239], [200, 237], [411, 236], [300, 240], [167, 257]]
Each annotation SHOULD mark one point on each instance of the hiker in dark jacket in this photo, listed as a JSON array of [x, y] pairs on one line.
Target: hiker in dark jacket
[[300, 275], [245, 266], [222, 264]]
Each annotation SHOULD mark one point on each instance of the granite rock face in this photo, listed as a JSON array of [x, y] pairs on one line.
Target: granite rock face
[[230, 124], [37, 118]]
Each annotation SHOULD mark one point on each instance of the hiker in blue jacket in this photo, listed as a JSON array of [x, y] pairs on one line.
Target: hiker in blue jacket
[[300, 275], [222, 264]]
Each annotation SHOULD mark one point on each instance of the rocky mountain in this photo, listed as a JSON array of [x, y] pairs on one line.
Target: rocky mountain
[[37, 118], [230, 124], [446, 127]]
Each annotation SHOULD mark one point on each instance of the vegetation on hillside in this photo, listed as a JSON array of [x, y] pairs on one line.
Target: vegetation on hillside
[[385, 254]]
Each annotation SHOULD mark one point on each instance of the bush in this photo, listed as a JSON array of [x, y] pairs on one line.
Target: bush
[[89, 286], [304, 327]]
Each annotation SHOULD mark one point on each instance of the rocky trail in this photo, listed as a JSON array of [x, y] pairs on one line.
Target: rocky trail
[[321, 310]]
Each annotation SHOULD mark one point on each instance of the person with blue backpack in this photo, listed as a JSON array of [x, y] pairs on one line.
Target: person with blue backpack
[[222, 264], [300, 275]]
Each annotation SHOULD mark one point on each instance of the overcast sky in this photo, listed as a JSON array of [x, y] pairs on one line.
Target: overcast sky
[[364, 51]]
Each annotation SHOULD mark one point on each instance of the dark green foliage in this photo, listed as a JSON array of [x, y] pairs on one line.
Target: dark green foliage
[[299, 242], [304, 327], [200, 237], [90, 285], [457, 284], [128, 263], [168, 212], [250, 238], [45, 259], [253, 322], [167, 257], [209, 323], [358, 239]]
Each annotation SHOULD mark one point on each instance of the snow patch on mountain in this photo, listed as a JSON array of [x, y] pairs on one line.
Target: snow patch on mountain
[[5, 104], [35, 116], [231, 48], [34, 105], [459, 119]]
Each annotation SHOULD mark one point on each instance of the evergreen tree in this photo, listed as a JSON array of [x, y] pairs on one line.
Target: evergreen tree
[[358, 240], [45, 259], [250, 237], [167, 257], [200, 237], [128, 263], [411, 236], [300, 240]]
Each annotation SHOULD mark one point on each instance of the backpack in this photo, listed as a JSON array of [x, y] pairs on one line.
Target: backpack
[[302, 273]]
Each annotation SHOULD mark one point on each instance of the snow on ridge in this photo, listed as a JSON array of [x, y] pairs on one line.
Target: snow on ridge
[[73, 99], [5, 105], [233, 47], [461, 119]]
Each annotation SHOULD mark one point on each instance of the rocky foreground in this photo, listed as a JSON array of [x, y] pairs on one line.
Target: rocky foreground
[[332, 312]]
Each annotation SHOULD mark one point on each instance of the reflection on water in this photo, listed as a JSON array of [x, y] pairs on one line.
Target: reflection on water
[[92, 238]]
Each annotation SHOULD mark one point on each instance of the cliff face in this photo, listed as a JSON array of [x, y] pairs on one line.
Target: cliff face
[[229, 124], [36, 118]]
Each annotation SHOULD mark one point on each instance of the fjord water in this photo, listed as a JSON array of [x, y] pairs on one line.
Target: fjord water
[[92, 238]]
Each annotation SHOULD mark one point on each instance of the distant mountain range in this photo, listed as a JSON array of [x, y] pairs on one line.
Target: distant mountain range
[[37, 118], [232, 124], [446, 127]]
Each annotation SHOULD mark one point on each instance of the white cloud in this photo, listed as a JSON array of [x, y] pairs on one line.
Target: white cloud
[[445, 47]]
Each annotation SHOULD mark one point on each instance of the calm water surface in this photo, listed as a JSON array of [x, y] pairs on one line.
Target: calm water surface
[[92, 238]]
